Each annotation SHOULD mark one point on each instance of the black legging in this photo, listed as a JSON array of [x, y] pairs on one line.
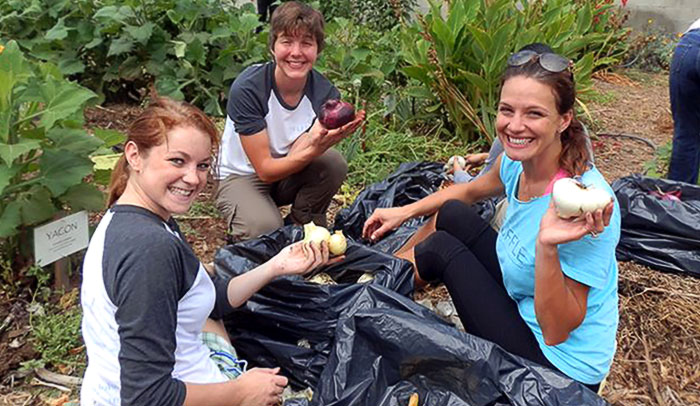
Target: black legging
[[462, 254]]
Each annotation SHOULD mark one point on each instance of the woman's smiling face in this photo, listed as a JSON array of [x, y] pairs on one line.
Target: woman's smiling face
[[168, 177], [528, 122], [295, 54]]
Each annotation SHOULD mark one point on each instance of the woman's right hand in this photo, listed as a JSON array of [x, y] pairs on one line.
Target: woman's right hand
[[383, 221], [261, 386], [301, 258]]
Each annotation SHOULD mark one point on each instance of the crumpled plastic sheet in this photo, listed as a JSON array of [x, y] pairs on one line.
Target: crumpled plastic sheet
[[291, 322], [663, 234], [383, 355], [411, 182]]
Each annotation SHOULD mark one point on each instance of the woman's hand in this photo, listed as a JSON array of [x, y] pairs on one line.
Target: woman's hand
[[301, 258], [321, 138], [382, 221], [261, 386], [474, 160], [555, 230]]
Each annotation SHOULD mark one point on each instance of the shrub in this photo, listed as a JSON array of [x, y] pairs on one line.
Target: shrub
[[377, 15], [192, 49], [460, 52], [44, 150]]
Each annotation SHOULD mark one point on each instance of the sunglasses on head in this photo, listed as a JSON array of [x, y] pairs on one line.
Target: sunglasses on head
[[552, 62]]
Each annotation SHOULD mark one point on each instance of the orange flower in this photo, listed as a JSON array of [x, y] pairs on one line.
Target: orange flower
[[2, 48]]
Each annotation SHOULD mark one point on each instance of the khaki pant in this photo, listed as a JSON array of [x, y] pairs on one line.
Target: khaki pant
[[250, 206]]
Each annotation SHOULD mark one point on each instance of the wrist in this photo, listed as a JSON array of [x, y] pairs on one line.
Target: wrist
[[545, 248]]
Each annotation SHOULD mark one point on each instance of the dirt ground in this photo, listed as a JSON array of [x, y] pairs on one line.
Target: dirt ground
[[659, 335]]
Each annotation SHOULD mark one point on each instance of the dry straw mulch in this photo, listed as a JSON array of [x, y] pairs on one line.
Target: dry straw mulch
[[658, 340]]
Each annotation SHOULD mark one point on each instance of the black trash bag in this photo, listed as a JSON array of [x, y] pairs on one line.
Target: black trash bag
[[411, 182], [291, 322], [382, 356], [658, 230]]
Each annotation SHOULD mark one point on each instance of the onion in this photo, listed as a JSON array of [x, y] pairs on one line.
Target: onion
[[314, 233], [571, 198], [460, 161], [337, 244], [336, 113]]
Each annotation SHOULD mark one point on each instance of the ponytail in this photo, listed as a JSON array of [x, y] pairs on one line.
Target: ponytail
[[575, 154], [117, 183]]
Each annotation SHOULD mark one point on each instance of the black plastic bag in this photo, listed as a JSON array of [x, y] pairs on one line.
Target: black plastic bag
[[383, 355], [291, 322], [409, 183], [660, 223]]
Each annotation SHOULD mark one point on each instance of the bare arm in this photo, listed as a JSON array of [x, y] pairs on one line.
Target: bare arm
[[561, 302], [384, 220], [268, 168], [295, 259], [308, 146]]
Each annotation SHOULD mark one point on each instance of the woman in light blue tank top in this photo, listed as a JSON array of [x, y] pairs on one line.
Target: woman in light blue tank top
[[543, 287]]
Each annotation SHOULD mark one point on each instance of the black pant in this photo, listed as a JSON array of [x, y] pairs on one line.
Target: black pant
[[265, 8], [462, 255]]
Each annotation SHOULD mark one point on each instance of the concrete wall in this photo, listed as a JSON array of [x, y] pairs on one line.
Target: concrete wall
[[671, 15]]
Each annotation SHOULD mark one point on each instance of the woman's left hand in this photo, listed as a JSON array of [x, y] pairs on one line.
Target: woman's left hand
[[555, 230], [301, 258]]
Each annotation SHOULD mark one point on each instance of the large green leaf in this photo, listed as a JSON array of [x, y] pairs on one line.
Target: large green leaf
[[84, 196], [13, 70], [120, 45], [110, 137], [36, 206], [61, 99], [58, 32], [6, 175], [122, 14], [61, 170], [140, 33], [10, 152], [74, 140], [10, 219]]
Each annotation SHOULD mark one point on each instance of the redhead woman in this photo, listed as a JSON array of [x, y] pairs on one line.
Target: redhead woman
[[543, 287], [146, 298]]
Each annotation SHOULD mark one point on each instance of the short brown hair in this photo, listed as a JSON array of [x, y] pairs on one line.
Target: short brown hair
[[292, 18]]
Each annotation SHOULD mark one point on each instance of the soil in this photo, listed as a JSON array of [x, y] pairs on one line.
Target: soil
[[659, 334]]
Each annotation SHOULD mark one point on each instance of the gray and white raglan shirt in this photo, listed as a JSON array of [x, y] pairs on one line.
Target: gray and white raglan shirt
[[254, 104], [145, 298]]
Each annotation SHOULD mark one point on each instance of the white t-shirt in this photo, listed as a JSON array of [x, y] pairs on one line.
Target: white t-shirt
[[254, 104]]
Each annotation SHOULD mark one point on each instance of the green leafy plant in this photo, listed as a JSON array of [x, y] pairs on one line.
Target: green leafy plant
[[190, 49], [44, 149], [460, 52], [651, 49], [376, 15], [56, 336], [657, 167], [360, 61]]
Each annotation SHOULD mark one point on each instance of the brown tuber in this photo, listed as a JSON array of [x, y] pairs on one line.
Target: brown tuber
[[336, 113]]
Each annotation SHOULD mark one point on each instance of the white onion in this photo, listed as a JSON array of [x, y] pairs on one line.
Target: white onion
[[314, 233], [460, 161], [571, 198], [337, 244]]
